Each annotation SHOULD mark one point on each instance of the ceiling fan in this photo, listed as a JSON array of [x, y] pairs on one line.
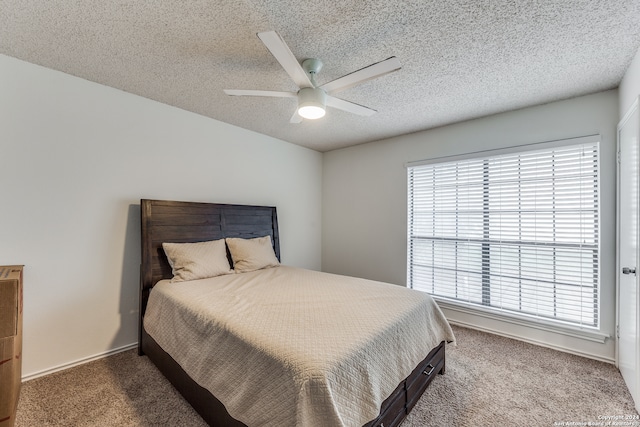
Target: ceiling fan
[[312, 98]]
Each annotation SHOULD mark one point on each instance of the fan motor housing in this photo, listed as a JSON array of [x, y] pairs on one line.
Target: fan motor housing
[[311, 102]]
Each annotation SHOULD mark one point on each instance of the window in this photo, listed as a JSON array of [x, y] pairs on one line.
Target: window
[[511, 231]]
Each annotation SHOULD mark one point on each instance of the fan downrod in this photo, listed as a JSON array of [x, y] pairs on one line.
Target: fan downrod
[[312, 67]]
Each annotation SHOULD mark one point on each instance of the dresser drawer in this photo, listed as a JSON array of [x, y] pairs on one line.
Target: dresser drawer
[[10, 342]]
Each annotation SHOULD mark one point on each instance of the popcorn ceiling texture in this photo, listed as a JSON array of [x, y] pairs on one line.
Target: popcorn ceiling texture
[[461, 59]]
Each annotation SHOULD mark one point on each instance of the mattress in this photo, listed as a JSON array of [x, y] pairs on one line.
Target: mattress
[[291, 347]]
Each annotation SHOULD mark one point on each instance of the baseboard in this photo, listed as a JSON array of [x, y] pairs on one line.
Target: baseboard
[[532, 341], [78, 362]]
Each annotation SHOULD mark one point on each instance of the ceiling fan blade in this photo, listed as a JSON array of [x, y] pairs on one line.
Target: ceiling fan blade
[[270, 93], [285, 57], [370, 72], [296, 118], [351, 107]]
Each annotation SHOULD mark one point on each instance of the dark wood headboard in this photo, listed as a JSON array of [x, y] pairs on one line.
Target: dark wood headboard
[[187, 222]]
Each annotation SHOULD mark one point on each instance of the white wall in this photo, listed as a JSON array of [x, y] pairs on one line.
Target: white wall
[[76, 158], [629, 89], [364, 212]]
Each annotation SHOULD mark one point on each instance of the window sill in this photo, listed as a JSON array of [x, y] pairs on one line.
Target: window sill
[[586, 334]]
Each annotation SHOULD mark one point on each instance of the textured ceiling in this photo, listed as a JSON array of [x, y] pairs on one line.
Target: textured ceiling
[[461, 59]]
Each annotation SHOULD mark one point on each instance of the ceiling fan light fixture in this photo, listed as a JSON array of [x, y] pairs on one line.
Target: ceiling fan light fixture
[[311, 103], [313, 98]]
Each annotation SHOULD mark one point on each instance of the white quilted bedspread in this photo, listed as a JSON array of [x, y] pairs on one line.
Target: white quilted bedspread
[[291, 347]]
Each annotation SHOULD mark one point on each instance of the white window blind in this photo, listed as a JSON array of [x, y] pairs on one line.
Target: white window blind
[[515, 232]]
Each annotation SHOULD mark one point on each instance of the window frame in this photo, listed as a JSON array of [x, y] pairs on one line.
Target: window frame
[[555, 325]]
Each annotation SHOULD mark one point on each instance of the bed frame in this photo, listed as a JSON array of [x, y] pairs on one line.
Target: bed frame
[[171, 221]]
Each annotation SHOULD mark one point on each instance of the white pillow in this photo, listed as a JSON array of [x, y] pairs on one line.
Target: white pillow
[[192, 261], [252, 254]]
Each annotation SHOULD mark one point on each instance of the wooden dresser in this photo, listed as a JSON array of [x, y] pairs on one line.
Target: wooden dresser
[[10, 342]]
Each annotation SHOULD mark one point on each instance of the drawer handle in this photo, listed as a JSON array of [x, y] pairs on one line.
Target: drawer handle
[[430, 370]]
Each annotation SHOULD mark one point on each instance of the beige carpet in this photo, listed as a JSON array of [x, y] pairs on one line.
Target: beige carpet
[[490, 381]]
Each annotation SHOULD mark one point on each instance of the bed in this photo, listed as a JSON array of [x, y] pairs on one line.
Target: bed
[[188, 222]]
